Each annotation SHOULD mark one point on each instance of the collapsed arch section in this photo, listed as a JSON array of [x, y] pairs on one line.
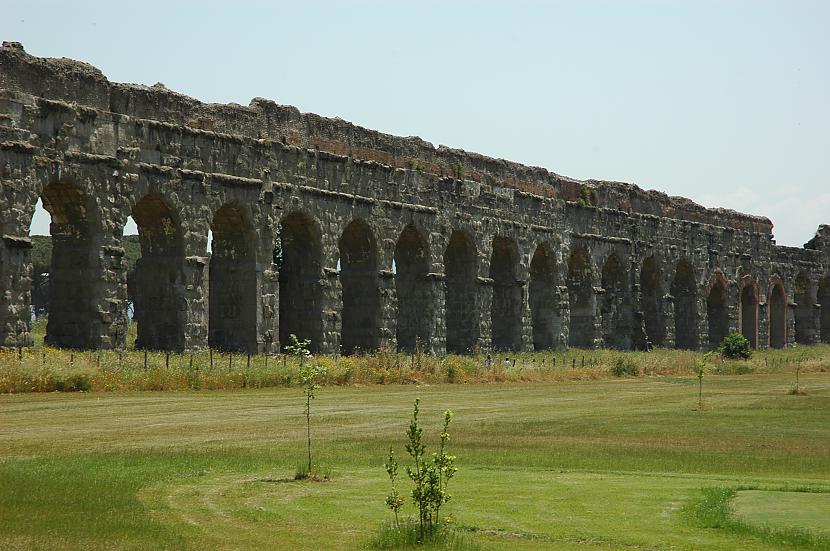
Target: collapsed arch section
[[749, 313], [506, 308], [684, 291], [580, 294], [359, 281], [777, 316], [73, 273], [158, 315], [299, 260], [412, 289], [717, 312], [805, 330], [462, 310], [547, 325], [232, 315], [651, 293], [616, 326]]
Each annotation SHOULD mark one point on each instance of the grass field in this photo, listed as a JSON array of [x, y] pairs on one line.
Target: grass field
[[595, 464]]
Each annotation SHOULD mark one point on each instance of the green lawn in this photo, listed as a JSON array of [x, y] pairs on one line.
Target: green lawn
[[807, 510], [604, 464]]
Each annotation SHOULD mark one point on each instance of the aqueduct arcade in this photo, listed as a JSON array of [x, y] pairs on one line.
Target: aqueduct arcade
[[357, 240]]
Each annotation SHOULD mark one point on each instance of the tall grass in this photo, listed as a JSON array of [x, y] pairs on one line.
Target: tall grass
[[46, 369]]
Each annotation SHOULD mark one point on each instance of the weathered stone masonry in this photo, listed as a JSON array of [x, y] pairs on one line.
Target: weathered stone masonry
[[384, 241]]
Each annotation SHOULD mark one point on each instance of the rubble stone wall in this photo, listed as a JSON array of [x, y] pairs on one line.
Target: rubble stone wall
[[355, 239]]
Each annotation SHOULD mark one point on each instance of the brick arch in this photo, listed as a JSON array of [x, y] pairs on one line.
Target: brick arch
[[615, 306], [233, 297], [685, 292], [506, 306], [298, 259], [777, 312], [546, 320], [461, 291], [804, 294], [748, 301], [412, 286], [580, 282], [717, 309], [652, 290], [359, 279]]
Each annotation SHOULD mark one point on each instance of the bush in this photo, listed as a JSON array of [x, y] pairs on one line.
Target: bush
[[736, 347], [624, 367]]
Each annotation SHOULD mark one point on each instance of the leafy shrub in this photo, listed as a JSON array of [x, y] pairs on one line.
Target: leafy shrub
[[736, 347], [624, 367]]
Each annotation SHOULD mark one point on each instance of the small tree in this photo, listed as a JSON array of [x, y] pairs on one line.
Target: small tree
[[309, 377], [394, 500], [736, 347], [701, 371], [430, 477]]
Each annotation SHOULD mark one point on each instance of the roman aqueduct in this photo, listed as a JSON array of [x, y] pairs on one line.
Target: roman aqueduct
[[381, 241]]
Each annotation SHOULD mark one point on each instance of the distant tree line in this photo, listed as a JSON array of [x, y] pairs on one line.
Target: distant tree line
[[42, 261]]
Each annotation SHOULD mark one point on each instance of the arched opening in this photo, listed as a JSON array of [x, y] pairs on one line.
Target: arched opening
[[777, 316], [73, 275], [359, 282], [616, 327], [684, 291], [824, 303], [717, 312], [506, 308], [461, 269], [298, 259], [651, 293], [152, 285], [580, 293], [542, 297], [412, 288], [749, 314], [233, 283], [805, 330]]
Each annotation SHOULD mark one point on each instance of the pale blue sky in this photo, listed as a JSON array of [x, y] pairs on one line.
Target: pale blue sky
[[726, 102]]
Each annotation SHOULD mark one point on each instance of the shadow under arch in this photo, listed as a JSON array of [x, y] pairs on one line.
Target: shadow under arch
[[506, 308], [547, 324], [233, 282], [684, 291], [580, 293], [299, 261], [158, 274], [462, 313], [74, 271], [412, 289], [359, 282]]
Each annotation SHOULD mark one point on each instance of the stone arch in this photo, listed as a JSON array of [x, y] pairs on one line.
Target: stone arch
[[581, 295], [73, 274], [232, 317], [412, 289], [717, 311], [651, 295], [542, 297], [824, 304], [298, 258], [777, 314], [359, 283], [616, 331], [158, 314], [462, 310], [684, 291], [749, 310], [506, 308], [805, 330]]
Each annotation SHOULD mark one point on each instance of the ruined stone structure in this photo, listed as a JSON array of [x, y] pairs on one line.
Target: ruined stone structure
[[381, 241]]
